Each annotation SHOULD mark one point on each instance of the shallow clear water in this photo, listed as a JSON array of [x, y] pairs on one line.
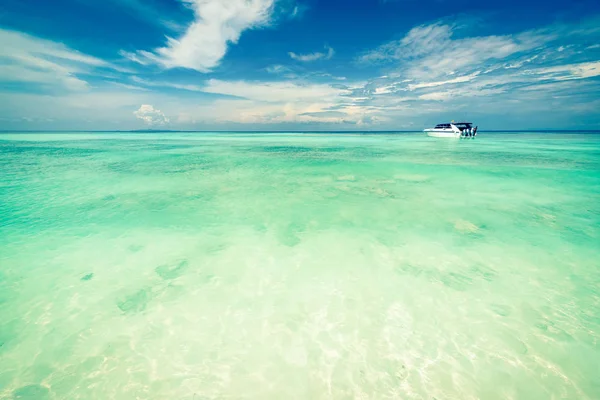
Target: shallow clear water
[[271, 266]]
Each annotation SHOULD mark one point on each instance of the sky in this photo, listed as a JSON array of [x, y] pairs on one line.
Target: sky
[[298, 65]]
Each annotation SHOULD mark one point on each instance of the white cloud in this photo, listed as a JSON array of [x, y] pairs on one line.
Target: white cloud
[[436, 65], [460, 79], [313, 56], [419, 41], [384, 89], [519, 63], [141, 57], [150, 115], [274, 91], [569, 71], [25, 58], [217, 23], [174, 85], [460, 93], [23, 44], [509, 72], [431, 51], [107, 108], [436, 96], [145, 11], [265, 91], [278, 69], [253, 112], [130, 87], [295, 11]]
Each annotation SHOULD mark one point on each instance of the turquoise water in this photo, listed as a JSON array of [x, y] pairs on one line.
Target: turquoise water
[[272, 266]]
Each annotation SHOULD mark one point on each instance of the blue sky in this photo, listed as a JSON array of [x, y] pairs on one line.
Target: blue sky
[[298, 64]]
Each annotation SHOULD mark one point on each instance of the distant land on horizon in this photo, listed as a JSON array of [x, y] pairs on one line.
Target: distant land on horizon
[[295, 131]]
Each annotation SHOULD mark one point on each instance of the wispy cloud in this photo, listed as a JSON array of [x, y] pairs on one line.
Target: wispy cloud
[[25, 58], [162, 84], [298, 10], [431, 51], [146, 11], [249, 111], [130, 87], [278, 69], [273, 91], [286, 10], [419, 41], [432, 69], [459, 79], [217, 23], [568, 71], [313, 56]]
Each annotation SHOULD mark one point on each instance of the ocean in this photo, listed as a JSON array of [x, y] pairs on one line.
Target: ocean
[[299, 266]]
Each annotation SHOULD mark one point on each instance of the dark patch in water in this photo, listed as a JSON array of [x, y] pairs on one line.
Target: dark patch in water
[[409, 269], [136, 302], [286, 149], [87, 277], [484, 272], [501, 310], [172, 271], [216, 248], [456, 281], [135, 248], [402, 373], [333, 149], [45, 149], [33, 392], [289, 235], [109, 197]]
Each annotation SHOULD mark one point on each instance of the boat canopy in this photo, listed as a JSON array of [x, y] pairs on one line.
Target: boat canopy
[[459, 125]]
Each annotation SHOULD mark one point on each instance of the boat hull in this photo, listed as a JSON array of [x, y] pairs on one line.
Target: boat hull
[[443, 133]]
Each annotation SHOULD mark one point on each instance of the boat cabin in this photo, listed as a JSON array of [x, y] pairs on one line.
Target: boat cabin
[[460, 125], [464, 125]]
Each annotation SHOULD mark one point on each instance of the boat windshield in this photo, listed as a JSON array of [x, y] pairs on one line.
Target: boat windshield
[[459, 125]]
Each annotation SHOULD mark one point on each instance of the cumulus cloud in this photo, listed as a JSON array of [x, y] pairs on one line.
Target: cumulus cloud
[[313, 56], [150, 115], [217, 23]]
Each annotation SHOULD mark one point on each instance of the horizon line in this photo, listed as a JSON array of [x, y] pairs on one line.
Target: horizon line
[[4, 131]]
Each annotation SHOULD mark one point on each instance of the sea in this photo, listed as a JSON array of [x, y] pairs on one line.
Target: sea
[[198, 265]]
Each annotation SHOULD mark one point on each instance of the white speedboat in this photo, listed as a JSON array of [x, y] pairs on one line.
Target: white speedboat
[[452, 130]]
